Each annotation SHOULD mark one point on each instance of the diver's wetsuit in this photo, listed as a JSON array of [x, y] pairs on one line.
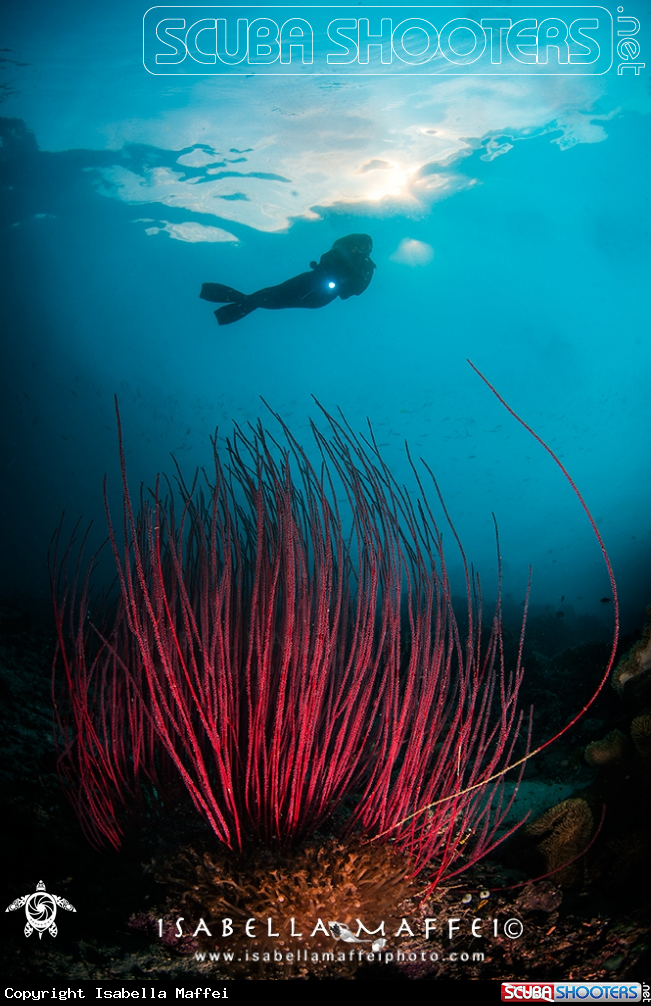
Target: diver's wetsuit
[[344, 271]]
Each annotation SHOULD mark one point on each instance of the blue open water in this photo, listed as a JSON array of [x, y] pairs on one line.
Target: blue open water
[[510, 222]]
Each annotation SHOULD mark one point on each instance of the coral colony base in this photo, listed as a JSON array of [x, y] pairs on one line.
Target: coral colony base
[[296, 663]]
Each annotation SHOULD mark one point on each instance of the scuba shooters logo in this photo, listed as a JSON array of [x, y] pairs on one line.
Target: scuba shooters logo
[[571, 991], [280, 39], [41, 910]]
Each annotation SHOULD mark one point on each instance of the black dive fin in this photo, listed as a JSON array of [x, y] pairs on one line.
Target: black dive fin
[[233, 312], [217, 293]]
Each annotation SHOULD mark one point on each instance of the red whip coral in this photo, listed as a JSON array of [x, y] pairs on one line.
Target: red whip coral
[[281, 656]]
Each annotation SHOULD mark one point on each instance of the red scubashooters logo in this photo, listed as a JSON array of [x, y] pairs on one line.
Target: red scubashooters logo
[[571, 992], [512, 991]]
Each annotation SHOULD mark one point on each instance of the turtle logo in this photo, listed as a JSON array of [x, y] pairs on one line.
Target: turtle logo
[[41, 910]]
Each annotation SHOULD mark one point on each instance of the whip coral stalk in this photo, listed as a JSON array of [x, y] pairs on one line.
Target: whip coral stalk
[[282, 654]]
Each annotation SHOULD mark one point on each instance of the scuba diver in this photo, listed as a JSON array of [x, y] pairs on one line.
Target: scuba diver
[[344, 271]]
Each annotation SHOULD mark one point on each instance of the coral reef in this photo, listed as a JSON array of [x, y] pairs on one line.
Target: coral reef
[[619, 859], [641, 733], [286, 657], [568, 828], [633, 668], [611, 750], [600, 935]]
